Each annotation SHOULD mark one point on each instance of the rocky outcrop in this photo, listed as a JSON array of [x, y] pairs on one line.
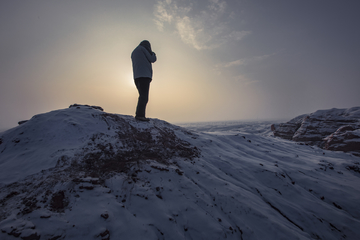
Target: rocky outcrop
[[346, 138], [88, 139], [332, 129], [78, 106], [22, 122], [287, 130]]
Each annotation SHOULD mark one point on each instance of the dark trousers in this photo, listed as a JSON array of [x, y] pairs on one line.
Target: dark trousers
[[142, 85]]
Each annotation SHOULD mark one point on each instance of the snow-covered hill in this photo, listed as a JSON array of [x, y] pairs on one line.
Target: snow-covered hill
[[81, 173]]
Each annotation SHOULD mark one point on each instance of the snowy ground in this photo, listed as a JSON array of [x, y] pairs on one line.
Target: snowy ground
[[244, 184], [256, 127]]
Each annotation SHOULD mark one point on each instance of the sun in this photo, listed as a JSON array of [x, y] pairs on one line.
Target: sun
[[129, 78]]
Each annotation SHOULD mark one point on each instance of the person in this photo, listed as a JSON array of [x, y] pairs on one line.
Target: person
[[142, 58]]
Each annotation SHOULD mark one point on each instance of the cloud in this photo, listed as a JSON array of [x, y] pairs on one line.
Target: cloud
[[235, 63], [166, 12], [245, 80], [244, 61], [230, 67], [205, 26]]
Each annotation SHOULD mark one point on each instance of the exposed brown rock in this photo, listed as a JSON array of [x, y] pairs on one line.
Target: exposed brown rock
[[346, 138], [287, 130], [81, 105], [22, 122], [58, 201]]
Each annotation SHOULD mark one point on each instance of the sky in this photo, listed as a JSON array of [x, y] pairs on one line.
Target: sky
[[218, 60]]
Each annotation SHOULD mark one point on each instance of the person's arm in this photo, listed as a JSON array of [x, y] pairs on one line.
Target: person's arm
[[151, 57]]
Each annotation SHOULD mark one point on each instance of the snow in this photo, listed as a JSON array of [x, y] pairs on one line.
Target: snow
[[334, 113], [243, 184], [38, 143]]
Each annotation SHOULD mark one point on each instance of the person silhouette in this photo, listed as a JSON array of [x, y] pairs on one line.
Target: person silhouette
[[142, 57]]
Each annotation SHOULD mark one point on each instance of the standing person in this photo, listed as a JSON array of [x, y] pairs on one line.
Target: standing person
[[142, 57]]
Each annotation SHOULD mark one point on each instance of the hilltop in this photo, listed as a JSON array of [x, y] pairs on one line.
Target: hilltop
[[82, 173]]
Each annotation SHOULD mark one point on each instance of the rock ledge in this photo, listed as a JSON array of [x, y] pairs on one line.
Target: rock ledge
[[331, 129]]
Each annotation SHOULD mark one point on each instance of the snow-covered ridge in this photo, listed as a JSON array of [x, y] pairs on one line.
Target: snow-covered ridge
[[331, 129], [85, 133], [81, 173]]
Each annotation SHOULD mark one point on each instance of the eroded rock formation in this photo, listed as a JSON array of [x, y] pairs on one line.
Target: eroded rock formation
[[332, 129]]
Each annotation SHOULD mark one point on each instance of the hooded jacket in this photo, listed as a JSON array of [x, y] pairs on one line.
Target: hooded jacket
[[142, 57]]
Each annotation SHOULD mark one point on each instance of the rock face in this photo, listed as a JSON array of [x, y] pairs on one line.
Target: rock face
[[346, 138], [332, 129], [287, 130]]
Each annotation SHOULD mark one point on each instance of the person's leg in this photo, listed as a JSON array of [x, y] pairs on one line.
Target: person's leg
[[143, 85]]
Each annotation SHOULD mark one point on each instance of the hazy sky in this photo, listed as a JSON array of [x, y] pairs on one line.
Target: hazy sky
[[217, 59]]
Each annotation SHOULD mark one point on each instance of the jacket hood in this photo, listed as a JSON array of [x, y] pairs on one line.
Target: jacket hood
[[146, 44]]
